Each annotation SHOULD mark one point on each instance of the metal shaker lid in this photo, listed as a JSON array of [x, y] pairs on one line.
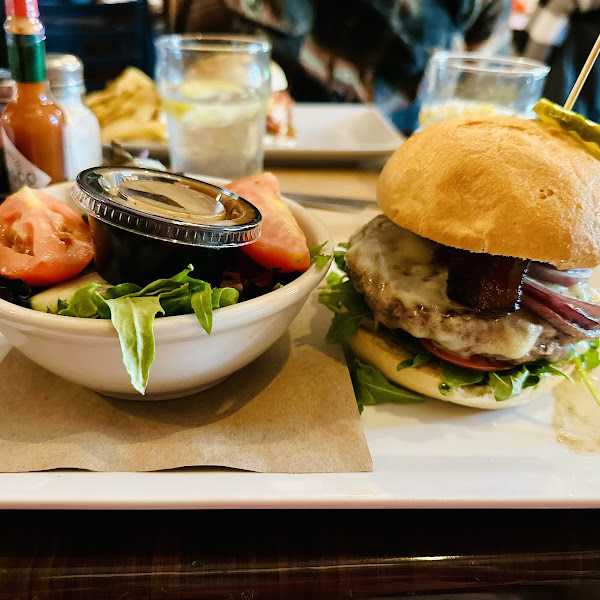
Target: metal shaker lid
[[65, 71]]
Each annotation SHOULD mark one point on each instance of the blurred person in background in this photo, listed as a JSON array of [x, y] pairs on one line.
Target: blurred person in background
[[562, 33], [354, 50]]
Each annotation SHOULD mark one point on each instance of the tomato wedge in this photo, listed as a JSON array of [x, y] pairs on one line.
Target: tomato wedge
[[42, 240], [475, 362], [282, 244]]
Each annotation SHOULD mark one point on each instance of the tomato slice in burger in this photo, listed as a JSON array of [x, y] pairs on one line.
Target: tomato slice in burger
[[42, 240], [475, 362]]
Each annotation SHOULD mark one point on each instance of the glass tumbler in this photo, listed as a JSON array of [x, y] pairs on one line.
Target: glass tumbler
[[464, 83], [214, 90]]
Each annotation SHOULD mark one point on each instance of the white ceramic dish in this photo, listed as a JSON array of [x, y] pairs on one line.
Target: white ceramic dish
[[187, 360], [324, 132], [337, 132]]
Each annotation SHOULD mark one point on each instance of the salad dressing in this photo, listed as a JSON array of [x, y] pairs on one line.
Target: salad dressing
[[576, 418]]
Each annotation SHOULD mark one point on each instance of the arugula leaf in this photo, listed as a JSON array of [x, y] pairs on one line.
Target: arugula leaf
[[507, 385], [348, 306], [371, 387], [418, 360], [454, 376], [133, 318], [339, 256], [316, 257]]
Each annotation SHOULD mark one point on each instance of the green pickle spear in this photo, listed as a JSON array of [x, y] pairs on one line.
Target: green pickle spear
[[585, 131]]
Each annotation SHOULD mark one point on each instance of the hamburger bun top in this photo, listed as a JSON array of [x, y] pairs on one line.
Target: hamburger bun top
[[499, 185]]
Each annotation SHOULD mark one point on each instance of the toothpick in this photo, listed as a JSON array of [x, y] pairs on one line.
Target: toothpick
[[587, 67]]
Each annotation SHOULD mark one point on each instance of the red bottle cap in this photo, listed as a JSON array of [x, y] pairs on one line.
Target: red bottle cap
[[22, 8]]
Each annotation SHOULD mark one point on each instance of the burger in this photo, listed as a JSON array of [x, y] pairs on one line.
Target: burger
[[472, 286]]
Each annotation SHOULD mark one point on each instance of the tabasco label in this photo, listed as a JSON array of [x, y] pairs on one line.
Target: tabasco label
[[21, 171]]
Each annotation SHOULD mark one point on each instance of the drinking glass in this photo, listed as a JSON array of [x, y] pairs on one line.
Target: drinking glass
[[214, 91], [464, 83]]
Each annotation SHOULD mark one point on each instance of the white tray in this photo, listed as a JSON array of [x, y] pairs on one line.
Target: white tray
[[427, 455]]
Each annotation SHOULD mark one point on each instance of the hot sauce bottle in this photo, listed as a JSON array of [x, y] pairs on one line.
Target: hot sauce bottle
[[32, 126]]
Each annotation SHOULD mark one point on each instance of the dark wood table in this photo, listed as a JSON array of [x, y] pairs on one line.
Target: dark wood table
[[252, 555]]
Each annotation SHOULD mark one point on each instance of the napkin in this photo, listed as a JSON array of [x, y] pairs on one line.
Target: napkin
[[292, 410]]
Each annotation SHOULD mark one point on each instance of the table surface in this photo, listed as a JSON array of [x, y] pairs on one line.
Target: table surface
[[449, 555]]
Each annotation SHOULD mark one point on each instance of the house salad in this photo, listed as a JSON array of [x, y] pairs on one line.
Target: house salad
[[48, 263]]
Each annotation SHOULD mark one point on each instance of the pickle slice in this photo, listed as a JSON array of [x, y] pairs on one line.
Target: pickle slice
[[585, 131]]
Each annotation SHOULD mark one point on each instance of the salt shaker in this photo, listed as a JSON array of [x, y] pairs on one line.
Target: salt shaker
[[83, 143]]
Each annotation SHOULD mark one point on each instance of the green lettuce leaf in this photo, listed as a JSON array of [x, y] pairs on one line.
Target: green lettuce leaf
[[339, 256], [507, 385], [454, 376], [85, 303], [371, 387], [133, 319], [316, 257], [132, 310], [418, 360], [348, 306], [201, 301], [225, 297]]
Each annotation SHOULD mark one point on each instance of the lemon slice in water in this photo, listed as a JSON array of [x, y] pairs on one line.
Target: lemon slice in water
[[211, 102], [585, 131]]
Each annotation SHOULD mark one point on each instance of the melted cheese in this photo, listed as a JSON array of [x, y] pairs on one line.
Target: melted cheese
[[394, 269]]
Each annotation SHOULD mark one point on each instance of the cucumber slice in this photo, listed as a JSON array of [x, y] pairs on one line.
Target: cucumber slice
[[47, 301], [585, 131]]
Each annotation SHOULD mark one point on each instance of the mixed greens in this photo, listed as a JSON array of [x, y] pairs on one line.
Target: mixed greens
[[132, 310], [350, 309]]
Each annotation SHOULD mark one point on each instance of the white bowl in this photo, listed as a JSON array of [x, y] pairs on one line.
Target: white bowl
[[187, 359]]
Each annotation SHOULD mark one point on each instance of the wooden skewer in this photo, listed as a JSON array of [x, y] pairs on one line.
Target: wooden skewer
[[587, 67]]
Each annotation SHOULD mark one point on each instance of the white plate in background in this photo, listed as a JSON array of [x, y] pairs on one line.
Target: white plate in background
[[324, 131]]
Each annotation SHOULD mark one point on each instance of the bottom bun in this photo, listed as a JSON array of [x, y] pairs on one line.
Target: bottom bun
[[382, 354]]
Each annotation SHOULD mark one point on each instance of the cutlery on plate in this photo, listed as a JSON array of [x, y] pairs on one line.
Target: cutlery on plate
[[330, 202]]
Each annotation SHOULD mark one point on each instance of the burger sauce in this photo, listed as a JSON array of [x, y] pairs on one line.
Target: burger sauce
[[32, 126]]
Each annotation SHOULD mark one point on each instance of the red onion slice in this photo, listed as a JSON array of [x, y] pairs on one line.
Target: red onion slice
[[587, 310], [551, 274], [557, 321]]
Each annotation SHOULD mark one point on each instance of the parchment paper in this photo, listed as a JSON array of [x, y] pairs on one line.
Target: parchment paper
[[292, 410]]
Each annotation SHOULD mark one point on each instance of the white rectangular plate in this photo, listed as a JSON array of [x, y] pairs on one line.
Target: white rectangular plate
[[337, 132], [324, 131], [429, 455]]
